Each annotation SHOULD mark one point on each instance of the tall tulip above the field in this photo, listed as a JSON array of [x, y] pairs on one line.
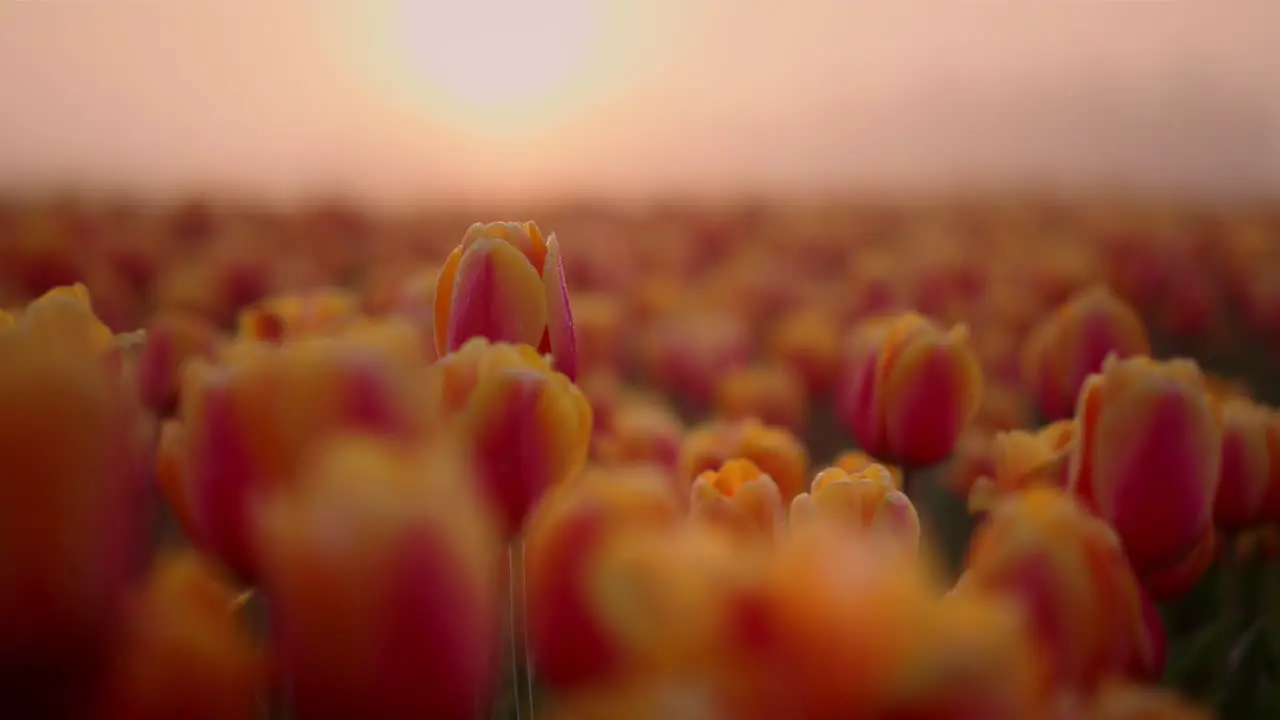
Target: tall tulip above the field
[[505, 282], [911, 388]]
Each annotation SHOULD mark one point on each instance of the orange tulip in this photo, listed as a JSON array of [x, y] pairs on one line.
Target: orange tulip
[[319, 313], [773, 394], [808, 342], [857, 461], [1066, 571], [911, 388], [1022, 459], [740, 497], [380, 572], [865, 501], [505, 282], [1246, 465], [1127, 701], [774, 450], [1147, 458], [184, 653], [1072, 343], [567, 535], [529, 426]]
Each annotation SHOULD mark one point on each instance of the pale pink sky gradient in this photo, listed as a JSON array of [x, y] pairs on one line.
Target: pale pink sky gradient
[[289, 97]]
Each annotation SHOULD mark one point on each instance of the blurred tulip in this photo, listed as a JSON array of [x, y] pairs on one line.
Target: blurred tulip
[[1147, 457], [248, 424], [530, 427], [505, 282], [808, 342], [172, 338], [865, 501], [73, 510], [380, 576], [1246, 466], [598, 322], [568, 637], [316, 314], [911, 389], [740, 497], [415, 300], [1127, 701], [605, 392], [686, 354], [854, 462], [1022, 459], [771, 394], [972, 461], [1066, 571], [775, 451], [1072, 343], [184, 653], [642, 431], [65, 313]]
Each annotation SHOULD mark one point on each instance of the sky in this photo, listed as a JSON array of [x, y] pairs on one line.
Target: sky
[[410, 100]]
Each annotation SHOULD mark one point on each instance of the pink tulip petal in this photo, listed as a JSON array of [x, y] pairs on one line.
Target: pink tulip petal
[[560, 328], [497, 295]]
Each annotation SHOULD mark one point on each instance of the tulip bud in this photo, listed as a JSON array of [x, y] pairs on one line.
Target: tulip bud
[[184, 653], [770, 393], [380, 572], [867, 501], [1072, 343], [642, 431], [808, 342], [740, 497], [911, 389], [854, 462], [1246, 466], [1022, 459], [171, 340], [775, 451], [1066, 571], [529, 426], [505, 282], [1147, 457], [316, 314]]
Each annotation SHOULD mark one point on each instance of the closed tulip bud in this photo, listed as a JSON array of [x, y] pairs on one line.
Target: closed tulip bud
[[380, 573], [248, 424], [1022, 459], [772, 394], [867, 501], [317, 314], [740, 497], [172, 339], [775, 451], [73, 513], [808, 342], [184, 653], [857, 461], [65, 314], [642, 431], [1072, 343], [1147, 457], [1246, 465], [529, 426], [911, 389], [505, 282], [1066, 571], [569, 639]]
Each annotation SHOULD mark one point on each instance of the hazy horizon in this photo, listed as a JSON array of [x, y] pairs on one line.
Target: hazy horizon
[[396, 100]]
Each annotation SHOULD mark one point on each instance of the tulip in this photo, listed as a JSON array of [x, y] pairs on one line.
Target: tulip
[[250, 422], [66, 313], [740, 497], [319, 313], [773, 394], [808, 342], [73, 525], [1072, 343], [866, 501], [415, 301], [171, 340], [1147, 457], [380, 573], [1245, 467], [1066, 571], [1022, 459], [642, 431], [687, 353], [774, 450], [911, 389], [530, 427], [854, 462], [598, 323], [184, 653], [505, 282], [568, 533]]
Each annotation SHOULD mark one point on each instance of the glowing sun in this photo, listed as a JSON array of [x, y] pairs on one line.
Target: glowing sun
[[499, 54]]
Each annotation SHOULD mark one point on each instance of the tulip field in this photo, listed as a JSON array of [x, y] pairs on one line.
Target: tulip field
[[959, 461]]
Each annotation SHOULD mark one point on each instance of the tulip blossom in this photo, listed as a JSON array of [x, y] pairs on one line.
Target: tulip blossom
[[171, 340], [1148, 456], [775, 451], [322, 312], [773, 394], [911, 388], [1073, 342], [864, 501], [740, 497], [1067, 572], [1246, 465], [642, 430], [857, 461], [185, 652], [1021, 459], [380, 573], [505, 282], [529, 426]]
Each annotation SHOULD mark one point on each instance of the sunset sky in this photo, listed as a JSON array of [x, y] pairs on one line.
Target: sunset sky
[[416, 99]]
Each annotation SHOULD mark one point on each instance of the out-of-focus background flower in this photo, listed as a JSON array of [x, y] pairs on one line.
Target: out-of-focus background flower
[[423, 100]]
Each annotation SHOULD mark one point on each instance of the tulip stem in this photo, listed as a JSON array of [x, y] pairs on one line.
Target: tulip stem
[[521, 674]]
